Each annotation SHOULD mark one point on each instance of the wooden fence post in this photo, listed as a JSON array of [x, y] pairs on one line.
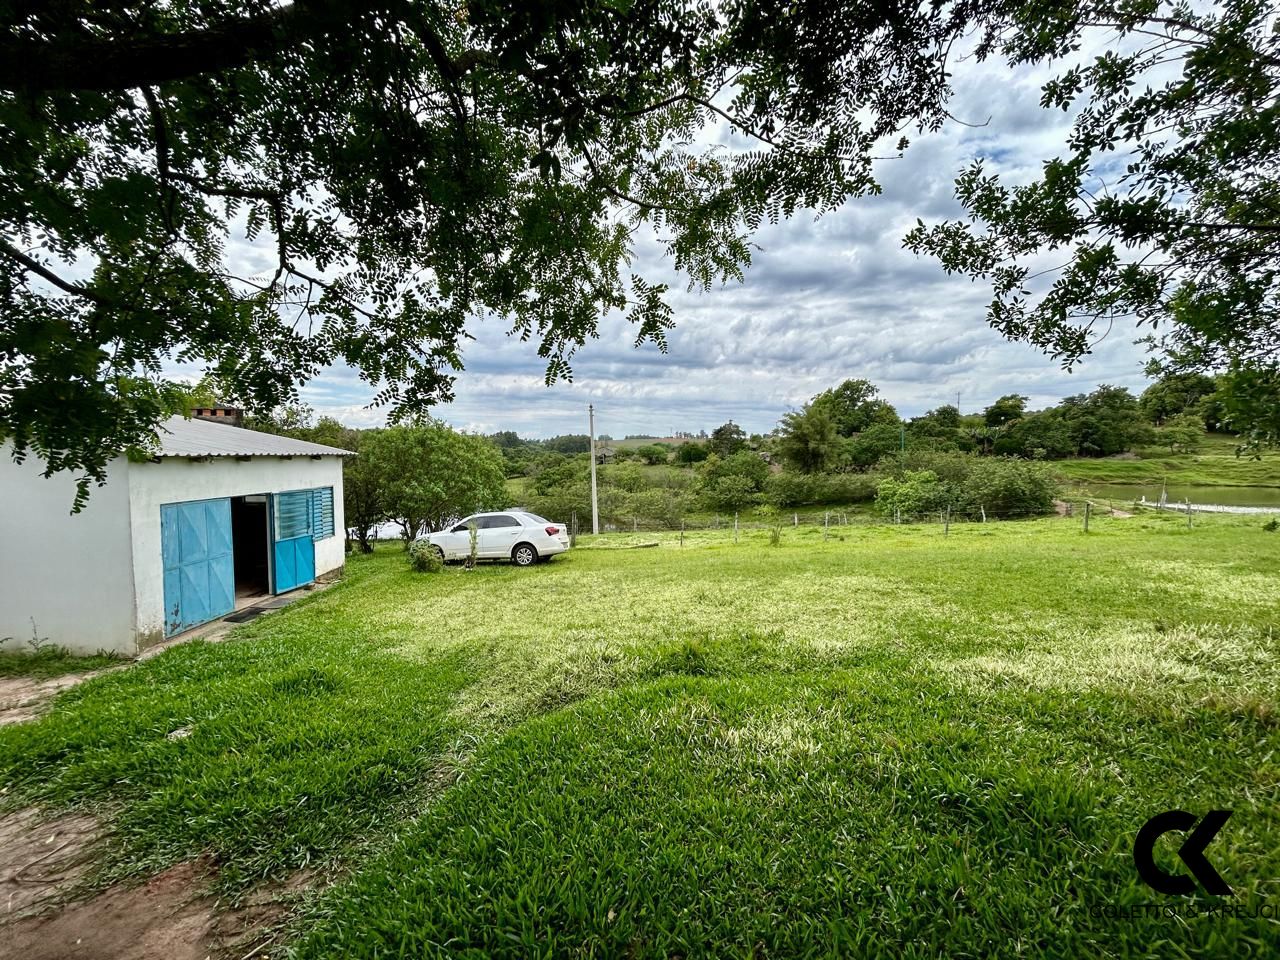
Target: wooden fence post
[[735, 526], [1087, 505], [946, 524], [682, 533], [826, 522], [984, 513]]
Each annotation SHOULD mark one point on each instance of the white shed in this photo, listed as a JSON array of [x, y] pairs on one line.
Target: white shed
[[219, 519]]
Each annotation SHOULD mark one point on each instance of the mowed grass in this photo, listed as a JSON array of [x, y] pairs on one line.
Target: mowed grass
[[1216, 463], [885, 743]]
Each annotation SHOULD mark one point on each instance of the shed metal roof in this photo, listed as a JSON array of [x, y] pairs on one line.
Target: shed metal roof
[[180, 437]]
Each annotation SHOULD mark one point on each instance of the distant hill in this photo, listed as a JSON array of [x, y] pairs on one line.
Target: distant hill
[[633, 443]]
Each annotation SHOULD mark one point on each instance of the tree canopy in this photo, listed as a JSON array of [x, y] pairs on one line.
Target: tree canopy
[[808, 437], [427, 475], [412, 165], [1163, 208], [855, 405]]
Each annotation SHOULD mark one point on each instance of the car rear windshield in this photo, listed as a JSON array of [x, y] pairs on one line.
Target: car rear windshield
[[537, 519]]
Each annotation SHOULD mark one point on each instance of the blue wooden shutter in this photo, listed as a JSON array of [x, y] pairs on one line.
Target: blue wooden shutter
[[293, 551], [293, 514], [321, 513]]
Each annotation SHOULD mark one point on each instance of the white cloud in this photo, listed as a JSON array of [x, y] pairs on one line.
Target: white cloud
[[826, 299]]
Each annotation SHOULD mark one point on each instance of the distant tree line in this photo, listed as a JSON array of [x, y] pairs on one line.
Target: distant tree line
[[846, 445]]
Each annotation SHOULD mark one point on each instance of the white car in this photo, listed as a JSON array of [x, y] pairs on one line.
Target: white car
[[524, 538]]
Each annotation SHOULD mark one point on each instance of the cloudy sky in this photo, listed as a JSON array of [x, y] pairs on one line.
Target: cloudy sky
[[826, 299]]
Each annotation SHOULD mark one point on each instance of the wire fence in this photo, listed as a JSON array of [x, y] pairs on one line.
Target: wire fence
[[832, 522]]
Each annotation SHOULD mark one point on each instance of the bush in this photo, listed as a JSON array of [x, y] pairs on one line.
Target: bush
[[844, 487], [653, 453], [1272, 525], [691, 452], [730, 493], [790, 489], [425, 558], [949, 466], [1008, 487], [877, 441], [917, 493], [744, 464], [658, 505]]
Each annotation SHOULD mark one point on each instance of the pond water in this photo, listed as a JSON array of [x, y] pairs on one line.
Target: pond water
[[1229, 496]]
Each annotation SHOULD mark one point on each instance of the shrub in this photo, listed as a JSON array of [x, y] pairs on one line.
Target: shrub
[[1272, 525], [844, 487], [1008, 487], [658, 505], [788, 489], [918, 492], [691, 452], [744, 464], [949, 466], [425, 558], [653, 453], [877, 441], [627, 477], [730, 493], [772, 518]]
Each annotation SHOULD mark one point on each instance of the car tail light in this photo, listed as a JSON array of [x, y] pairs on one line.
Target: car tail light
[[552, 531]]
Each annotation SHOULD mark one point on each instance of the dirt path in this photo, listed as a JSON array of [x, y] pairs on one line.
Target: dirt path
[[172, 916], [23, 698], [1064, 509], [45, 862]]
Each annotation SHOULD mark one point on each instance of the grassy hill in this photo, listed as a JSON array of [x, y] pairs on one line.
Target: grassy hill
[[1216, 464]]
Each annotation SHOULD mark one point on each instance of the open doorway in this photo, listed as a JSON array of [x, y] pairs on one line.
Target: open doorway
[[251, 547]]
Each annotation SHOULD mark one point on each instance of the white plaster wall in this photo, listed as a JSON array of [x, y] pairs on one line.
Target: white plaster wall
[[70, 574], [175, 479]]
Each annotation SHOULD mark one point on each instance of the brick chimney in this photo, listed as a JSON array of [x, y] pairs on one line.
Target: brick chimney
[[232, 416]]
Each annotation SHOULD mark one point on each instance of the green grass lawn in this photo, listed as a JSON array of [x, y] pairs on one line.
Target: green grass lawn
[[1214, 464], [888, 743]]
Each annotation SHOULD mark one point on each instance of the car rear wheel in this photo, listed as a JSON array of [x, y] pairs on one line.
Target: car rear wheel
[[524, 555]]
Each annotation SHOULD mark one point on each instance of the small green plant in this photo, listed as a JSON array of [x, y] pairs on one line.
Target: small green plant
[[473, 549], [1272, 525], [425, 558], [772, 518], [37, 643]]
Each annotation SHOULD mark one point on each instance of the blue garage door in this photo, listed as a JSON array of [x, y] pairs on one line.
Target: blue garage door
[[293, 551], [199, 573]]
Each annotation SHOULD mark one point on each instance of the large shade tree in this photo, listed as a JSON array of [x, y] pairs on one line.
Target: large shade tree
[[405, 166], [427, 475], [856, 405], [413, 164], [1163, 207]]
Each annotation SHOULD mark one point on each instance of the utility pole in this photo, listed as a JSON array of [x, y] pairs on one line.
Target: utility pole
[[595, 506]]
